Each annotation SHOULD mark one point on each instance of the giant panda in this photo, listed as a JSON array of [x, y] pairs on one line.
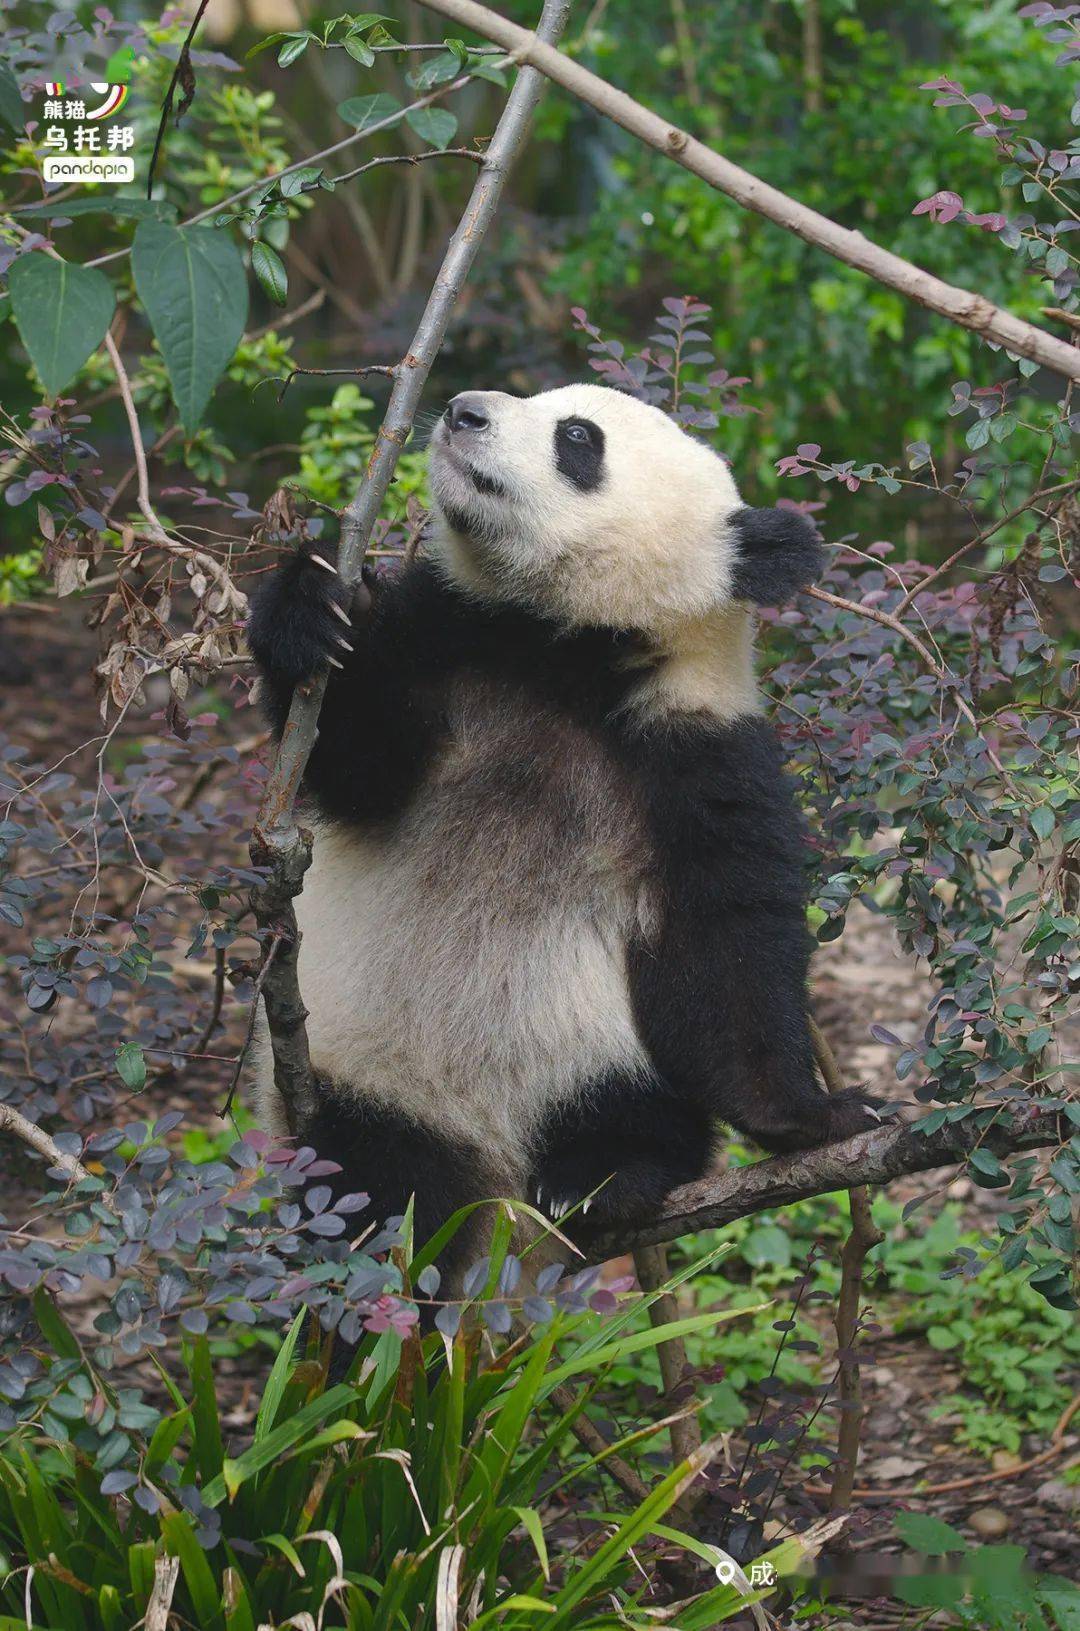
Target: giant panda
[[553, 933]]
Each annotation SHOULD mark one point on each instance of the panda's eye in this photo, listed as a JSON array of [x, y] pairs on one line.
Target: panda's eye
[[577, 433]]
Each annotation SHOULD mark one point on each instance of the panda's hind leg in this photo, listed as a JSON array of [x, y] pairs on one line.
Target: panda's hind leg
[[611, 1154], [392, 1159]]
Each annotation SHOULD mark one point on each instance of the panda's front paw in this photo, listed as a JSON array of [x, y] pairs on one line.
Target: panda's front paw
[[304, 619]]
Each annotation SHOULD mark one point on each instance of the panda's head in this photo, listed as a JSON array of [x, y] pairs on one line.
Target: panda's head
[[592, 508]]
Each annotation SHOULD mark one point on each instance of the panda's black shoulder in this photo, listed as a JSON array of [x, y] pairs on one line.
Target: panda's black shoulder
[[719, 798], [442, 629]]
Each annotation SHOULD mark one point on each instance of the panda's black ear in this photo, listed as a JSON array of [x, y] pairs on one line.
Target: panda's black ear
[[777, 553]]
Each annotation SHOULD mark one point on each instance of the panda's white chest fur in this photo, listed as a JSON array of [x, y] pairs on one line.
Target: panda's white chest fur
[[469, 966]]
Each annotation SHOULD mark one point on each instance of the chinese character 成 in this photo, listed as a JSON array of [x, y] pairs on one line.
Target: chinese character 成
[[762, 1574]]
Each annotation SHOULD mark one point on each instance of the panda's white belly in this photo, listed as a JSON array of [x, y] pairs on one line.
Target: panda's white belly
[[469, 967]]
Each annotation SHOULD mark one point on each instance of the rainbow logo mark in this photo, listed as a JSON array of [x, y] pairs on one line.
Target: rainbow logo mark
[[115, 97]]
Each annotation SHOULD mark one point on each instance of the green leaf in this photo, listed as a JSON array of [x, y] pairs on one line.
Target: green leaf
[[365, 111], [1042, 821], [488, 70], [265, 45], [767, 1244], [295, 45], [180, 1540], [278, 1380], [131, 1065], [236, 1472], [13, 109], [986, 1161], [61, 312], [436, 126], [359, 50], [136, 209], [978, 434], [54, 1327], [194, 288], [269, 268], [437, 70], [929, 1535], [535, 1531], [207, 1448]]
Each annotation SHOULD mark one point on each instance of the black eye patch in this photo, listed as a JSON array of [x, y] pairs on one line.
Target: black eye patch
[[579, 453]]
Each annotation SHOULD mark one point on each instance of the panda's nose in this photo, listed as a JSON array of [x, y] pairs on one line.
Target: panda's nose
[[467, 412]]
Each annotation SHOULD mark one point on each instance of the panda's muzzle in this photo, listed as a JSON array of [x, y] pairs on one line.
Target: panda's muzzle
[[467, 412], [466, 419]]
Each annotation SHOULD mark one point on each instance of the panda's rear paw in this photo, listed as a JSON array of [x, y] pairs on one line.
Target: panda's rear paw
[[586, 1204], [304, 619], [854, 1111]]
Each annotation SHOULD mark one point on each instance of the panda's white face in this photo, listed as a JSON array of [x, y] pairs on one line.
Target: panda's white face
[[585, 505]]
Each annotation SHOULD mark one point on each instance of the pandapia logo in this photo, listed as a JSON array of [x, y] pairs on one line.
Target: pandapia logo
[[114, 96]]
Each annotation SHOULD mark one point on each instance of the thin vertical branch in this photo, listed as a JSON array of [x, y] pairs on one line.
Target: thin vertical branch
[[685, 1431], [278, 844], [864, 1235], [813, 64]]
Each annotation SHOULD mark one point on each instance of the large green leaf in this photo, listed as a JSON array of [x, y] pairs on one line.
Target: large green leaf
[[364, 111], [194, 288], [13, 110], [118, 204], [61, 312]]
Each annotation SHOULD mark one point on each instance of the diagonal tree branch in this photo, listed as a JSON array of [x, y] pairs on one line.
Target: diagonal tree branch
[[961, 306], [278, 843], [892, 1150]]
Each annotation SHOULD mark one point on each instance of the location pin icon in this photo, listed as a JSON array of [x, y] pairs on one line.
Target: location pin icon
[[725, 1571]]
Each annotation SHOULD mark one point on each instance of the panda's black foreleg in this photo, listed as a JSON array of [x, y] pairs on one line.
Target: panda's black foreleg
[[611, 1154], [303, 622], [375, 735]]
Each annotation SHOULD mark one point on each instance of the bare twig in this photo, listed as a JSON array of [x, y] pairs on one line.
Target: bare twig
[[593, 1440], [182, 74], [215, 1005], [864, 1234], [941, 674], [890, 1151], [387, 370], [14, 1122], [253, 1013], [963, 306], [278, 843], [412, 158], [990, 1476]]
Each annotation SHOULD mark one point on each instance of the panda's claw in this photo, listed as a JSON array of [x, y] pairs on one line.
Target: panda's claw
[[334, 663], [346, 645], [327, 566], [340, 612]]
